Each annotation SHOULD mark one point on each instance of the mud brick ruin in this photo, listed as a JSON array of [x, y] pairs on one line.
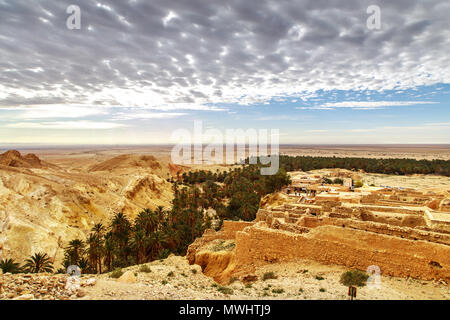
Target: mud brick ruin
[[405, 232]]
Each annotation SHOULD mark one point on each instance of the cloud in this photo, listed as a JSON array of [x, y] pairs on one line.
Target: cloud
[[316, 131], [59, 111], [163, 53], [365, 105], [146, 116], [65, 125]]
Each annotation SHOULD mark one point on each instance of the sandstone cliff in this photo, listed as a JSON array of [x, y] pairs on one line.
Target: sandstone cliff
[[43, 206]]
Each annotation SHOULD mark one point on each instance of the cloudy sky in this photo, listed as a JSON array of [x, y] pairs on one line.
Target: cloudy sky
[[138, 70]]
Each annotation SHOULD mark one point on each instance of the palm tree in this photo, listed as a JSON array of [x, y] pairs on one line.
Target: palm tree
[[160, 213], [108, 251], [158, 240], [94, 252], [138, 245], [8, 265], [98, 231], [39, 262], [146, 220], [75, 251], [83, 263], [121, 228]]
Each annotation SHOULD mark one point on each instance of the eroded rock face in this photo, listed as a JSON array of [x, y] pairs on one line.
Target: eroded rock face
[[44, 207]]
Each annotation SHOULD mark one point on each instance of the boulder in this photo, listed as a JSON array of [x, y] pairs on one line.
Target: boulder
[[27, 296], [127, 277], [81, 293]]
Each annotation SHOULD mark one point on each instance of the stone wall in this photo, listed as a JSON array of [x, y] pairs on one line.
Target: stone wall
[[343, 246], [229, 228]]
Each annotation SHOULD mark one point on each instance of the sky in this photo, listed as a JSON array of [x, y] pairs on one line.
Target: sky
[[136, 71]]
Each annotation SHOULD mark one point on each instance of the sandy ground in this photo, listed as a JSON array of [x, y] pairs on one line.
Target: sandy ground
[[296, 280]]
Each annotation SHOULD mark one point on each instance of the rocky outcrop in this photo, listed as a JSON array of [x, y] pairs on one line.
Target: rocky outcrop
[[14, 158], [41, 209]]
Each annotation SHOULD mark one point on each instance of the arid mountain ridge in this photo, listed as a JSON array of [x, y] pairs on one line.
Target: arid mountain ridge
[[43, 206]]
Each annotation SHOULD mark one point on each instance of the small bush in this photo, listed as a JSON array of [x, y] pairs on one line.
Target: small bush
[[117, 273], [319, 278], [194, 271], [300, 290], [164, 282], [144, 268], [354, 278], [269, 275], [171, 274], [248, 285], [233, 279], [225, 290], [277, 290], [322, 290]]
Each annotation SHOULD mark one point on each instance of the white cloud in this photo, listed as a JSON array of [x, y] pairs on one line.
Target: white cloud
[[59, 111], [149, 115], [365, 105], [65, 125], [281, 49]]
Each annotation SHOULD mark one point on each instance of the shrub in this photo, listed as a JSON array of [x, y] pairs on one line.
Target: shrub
[[117, 273], [354, 278], [322, 290], [145, 268], [277, 290], [171, 274], [319, 278], [194, 271], [269, 275], [164, 282], [225, 290]]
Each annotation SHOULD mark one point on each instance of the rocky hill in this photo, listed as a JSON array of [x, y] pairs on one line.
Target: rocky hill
[[43, 206], [14, 158], [127, 161]]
